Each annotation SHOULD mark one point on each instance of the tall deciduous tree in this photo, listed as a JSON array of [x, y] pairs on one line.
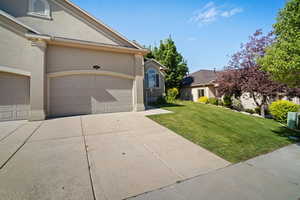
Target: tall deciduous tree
[[168, 55], [282, 59], [244, 75]]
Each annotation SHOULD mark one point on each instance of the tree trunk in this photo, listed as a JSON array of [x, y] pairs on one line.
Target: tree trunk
[[262, 110]]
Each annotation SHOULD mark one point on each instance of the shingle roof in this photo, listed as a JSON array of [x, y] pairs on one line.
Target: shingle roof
[[201, 77]]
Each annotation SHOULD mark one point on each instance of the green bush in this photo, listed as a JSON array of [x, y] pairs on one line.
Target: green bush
[[203, 99], [213, 101], [237, 104], [160, 100], [220, 102], [227, 101], [172, 94], [251, 111], [279, 109], [257, 110]]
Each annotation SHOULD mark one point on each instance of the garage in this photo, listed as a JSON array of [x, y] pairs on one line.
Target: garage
[[89, 94], [15, 97]]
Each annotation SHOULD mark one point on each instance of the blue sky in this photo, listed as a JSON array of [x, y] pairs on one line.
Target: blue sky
[[206, 32]]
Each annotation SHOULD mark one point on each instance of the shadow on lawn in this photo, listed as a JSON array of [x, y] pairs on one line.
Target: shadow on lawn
[[168, 105], [292, 135]]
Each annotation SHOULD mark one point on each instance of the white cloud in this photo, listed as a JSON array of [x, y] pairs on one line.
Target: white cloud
[[231, 12], [211, 12]]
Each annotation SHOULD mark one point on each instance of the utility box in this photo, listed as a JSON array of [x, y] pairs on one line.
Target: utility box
[[293, 120]]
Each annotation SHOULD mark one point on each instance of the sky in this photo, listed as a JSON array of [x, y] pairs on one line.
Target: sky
[[206, 32]]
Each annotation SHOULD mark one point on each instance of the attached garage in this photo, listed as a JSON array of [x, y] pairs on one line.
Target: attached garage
[[89, 94], [14, 97]]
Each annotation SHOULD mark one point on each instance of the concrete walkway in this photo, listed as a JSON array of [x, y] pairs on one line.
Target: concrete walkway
[[109, 157], [274, 176]]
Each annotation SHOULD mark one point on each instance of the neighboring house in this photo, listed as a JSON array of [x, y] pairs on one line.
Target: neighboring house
[[199, 84], [57, 60], [203, 83], [154, 80]]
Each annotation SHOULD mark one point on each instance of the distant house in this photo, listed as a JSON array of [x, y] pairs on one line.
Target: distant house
[[199, 84], [203, 83]]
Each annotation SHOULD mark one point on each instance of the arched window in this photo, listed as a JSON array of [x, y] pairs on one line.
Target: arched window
[[39, 8], [152, 78]]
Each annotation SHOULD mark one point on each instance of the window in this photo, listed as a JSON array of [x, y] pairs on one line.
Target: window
[[39, 8], [152, 78], [201, 93]]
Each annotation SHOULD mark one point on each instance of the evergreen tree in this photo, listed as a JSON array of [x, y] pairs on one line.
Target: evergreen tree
[[168, 56]]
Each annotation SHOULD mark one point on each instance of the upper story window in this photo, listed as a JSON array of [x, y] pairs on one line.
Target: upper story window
[[152, 78], [39, 8]]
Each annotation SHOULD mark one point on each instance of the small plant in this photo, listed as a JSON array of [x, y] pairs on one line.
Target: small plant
[[227, 101], [251, 111], [237, 104], [279, 109], [213, 101], [257, 110], [171, 95], [203, 99], [160, 100], [220, 102]]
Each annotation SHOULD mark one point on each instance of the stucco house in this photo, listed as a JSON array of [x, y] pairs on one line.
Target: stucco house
[[203, 83], [58, 60], [199, 84]]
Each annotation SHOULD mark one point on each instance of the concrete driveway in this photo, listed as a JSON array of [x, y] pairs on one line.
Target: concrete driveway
[[110, 156]]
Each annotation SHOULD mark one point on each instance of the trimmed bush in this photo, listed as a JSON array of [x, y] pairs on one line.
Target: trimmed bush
[[227, 101], [257, 110], [220, 102], [237, 104], [213, 101], [203, 99], [279, 109], [171, 95], [160, 100], [250, 111]]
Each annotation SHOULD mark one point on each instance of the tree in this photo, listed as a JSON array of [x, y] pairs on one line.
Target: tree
[[244, 75], [168, 55], [282, 59]]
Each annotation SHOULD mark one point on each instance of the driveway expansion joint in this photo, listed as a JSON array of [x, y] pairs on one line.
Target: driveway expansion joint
[[19, 148]]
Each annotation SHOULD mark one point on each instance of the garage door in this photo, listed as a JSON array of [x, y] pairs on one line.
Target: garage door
[[14, 97], [89, 94]]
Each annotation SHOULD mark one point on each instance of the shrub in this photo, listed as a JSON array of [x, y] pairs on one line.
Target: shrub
[[220, 102], [160, 100], [203, 99], [172, 94], [213, 101], [251, 111], [279, 109], [257, 110], [227, 101], [237, 104]]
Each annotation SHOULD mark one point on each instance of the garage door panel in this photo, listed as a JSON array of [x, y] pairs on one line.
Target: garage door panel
[[14, 98], [89, 94]]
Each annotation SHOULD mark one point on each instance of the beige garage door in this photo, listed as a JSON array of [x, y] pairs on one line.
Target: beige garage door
[[14, 97], [89, 94]]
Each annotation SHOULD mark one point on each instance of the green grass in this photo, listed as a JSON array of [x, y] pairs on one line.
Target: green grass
[[233, 136]]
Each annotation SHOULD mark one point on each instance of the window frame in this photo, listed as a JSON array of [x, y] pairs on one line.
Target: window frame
[[31, 10], [200, 91], [157, 78]]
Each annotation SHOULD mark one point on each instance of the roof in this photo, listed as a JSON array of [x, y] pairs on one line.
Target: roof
[[156, 62], [15, 20], [88, 15], [201, 77]]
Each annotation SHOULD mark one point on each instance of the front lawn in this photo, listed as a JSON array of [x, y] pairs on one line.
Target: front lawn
[[231, 135]]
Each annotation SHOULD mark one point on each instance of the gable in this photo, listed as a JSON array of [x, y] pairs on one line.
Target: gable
[[66, 22]]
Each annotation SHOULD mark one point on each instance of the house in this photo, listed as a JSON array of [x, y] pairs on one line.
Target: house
[[203, 83], [58, 60], [199, 84], [154, 80]]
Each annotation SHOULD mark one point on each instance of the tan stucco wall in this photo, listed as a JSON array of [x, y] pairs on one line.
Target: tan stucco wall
[[61, 58], [19, 53], [64, 23], [191, 93], [155, 92]]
